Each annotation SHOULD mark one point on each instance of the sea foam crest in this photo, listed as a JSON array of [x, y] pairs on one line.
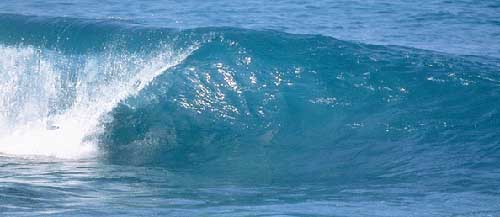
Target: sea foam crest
[[52, 103]]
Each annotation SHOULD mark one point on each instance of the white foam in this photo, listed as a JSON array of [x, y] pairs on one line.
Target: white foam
[[32, 87]]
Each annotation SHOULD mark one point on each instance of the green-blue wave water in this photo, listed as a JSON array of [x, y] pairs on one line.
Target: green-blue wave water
[[105, 117]]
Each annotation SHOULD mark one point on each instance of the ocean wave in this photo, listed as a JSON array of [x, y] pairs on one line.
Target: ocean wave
[[221, 101]]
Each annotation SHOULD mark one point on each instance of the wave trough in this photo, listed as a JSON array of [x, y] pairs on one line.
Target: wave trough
[[277, 106]]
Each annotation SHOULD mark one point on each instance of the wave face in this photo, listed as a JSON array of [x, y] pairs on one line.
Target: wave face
[[245, 103]]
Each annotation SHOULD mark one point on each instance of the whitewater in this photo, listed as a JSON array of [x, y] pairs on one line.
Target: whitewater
[[31, 88], [286, 108]]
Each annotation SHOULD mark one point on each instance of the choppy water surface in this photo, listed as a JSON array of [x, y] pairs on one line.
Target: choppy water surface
[[223, 109], [41, 187], [463, 27]]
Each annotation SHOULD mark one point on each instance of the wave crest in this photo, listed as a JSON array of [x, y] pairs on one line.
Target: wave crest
[[297, 107]]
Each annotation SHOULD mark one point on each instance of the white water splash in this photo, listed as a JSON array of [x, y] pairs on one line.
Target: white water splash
[[50, 109]]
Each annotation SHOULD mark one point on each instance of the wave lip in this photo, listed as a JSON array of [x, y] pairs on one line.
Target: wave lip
[[52, 112], [277, 106]]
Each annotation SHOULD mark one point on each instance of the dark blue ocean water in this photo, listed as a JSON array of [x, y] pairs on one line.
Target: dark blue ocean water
[[249, 108]]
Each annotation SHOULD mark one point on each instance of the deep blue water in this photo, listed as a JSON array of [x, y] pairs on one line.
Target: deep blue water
[[255, 108]]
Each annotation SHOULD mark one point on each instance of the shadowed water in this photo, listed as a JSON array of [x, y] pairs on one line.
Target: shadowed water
[[149, 110]]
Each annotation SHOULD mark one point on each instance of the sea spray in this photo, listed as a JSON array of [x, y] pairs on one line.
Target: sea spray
[[251, 105], [256, 121], [37, 118]]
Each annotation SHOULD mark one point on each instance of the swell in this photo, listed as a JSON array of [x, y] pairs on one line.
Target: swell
[[273, 107]]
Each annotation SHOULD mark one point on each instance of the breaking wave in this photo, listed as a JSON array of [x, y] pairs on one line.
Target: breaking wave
[[226, 100]]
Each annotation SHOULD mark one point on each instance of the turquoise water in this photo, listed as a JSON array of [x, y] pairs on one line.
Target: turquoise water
[[289, 108]]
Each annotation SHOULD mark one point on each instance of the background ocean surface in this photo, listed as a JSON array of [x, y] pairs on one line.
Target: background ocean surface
[[249, 108]]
